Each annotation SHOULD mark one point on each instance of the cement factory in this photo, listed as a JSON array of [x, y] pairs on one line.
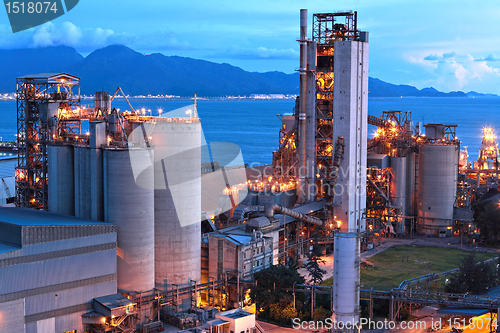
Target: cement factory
[[116, 228]]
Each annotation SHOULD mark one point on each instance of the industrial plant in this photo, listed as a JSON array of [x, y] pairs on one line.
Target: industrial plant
[[115, 228]]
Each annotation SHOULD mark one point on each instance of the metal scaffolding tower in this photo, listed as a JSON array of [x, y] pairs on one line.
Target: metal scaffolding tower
[[44, 102], [328, 28]]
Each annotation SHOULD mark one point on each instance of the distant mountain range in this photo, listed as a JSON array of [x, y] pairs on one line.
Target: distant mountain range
[[156, 74]]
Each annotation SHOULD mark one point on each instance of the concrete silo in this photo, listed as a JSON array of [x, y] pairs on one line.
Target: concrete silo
[[60, 172], [437, 188], [82, 173], [177, 201], [131, 208]]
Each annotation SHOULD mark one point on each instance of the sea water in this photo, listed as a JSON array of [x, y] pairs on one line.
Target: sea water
[[254, 125]]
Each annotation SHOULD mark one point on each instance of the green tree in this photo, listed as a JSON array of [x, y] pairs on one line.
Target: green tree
[[487, 219], [315, 272], [472, 277], [270, 288], [282, 312], [320, 314]]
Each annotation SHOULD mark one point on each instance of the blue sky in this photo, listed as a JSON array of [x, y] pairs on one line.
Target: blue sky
[[450, 45]]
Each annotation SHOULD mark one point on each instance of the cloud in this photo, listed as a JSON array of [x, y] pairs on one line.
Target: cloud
[[432, 57], [86, 40], [490, 57], [237, 52], [82, 39], [455, 71]]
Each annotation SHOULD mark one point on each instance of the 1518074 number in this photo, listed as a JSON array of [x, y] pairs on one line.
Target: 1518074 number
[[30, 7]]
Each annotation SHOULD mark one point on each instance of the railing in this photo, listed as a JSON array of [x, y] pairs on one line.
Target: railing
[[119, 320], [259, 328]]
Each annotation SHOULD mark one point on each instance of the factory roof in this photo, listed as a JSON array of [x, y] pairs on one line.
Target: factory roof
[[50, 76], [217, 322], [92, 314], [494, 198], [114, 301], [235, 239], [376, 156], [6, 248], [238, 238], [458, 310], [32, 217], [235, 314], [259, 222], [242, 240]]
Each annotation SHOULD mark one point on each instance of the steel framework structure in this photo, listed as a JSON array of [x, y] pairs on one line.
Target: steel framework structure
[[44, 101], [328, 28]]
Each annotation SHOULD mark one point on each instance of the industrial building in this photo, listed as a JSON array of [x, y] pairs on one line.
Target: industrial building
[[233, 321], [143, 178], [52, 266], [68, 171]]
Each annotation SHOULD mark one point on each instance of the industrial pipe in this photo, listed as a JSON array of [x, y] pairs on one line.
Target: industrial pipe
[[271, 208], [239, 212]]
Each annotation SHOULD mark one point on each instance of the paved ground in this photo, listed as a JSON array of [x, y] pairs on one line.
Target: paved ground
[[274, 328]]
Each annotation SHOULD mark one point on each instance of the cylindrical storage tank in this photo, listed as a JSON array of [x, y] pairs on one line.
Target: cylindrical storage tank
[[346, 278], [437, 188], [131, 208], [398, 188], [61, 179], [177, 201], [82, 181]]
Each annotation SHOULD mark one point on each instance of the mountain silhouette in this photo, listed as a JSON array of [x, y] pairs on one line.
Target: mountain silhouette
[[157, 74]]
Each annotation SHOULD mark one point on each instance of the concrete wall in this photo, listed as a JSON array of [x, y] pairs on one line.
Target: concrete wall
[[350, 113], [50, 285], [223, 256], [12, 316]]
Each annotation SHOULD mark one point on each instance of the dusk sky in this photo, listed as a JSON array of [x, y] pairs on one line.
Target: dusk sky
[[450, 45]]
